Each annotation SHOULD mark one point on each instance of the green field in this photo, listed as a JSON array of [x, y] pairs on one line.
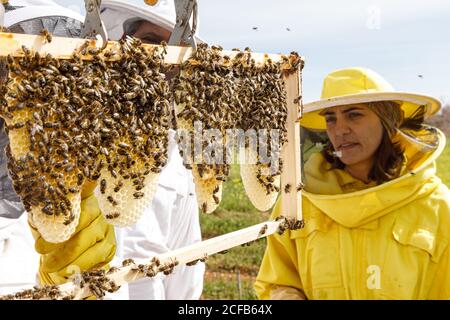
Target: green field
[[443, 165], [231, 276]]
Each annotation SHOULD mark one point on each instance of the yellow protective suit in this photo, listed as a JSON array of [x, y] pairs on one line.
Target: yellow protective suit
[[389, 241], [92, 246]]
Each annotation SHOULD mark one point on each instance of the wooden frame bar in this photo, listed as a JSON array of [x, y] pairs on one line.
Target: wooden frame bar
[[63, 48], [184, 255]]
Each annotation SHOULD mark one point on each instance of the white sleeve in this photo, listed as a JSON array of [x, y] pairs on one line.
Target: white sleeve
[[186, 282], [19, 262], [170, 222]]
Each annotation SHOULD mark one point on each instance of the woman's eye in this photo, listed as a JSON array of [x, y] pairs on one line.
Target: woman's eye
[[354, 115], [330, 119]]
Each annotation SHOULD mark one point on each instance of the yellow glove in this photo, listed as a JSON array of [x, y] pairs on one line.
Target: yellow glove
[[92, 245]]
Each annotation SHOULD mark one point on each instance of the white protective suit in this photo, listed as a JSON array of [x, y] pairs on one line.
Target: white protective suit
[[172, 221], [18, 260]]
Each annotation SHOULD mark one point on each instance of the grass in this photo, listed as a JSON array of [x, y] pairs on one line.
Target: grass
[[223, 270], [443, 165], [237, 212]]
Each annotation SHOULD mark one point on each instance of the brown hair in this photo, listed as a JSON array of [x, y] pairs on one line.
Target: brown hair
[[389, 155]]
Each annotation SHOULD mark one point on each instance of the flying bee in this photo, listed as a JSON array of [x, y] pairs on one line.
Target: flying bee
[[287, 188], [103, 186]]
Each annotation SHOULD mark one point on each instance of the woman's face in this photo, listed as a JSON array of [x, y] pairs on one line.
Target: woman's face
[[355, 132]]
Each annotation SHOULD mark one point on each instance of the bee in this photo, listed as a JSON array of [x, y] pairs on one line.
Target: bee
[[17, 125], [167, 272], [263, 230], [47, 35], [74, 190], [112, 270], [300, 186], [48, 209], [281, 228], [192, 263], [86, 171], [299, 224], [69, 220], [119, 186], [204, 258], [103, 186], [221, 178], [113, 172], [216, 199], [155, 261], [204, 207], [80, 179], [155, 170], [127, 262], [112, 215], [138, 195], [287, 188], [112, 201], [123, 145]]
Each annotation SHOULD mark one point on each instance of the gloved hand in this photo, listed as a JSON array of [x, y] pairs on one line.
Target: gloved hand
[[93, 244]]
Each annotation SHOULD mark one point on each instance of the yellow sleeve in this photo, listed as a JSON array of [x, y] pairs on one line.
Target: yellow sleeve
[[440, 288], [92, 246], [278, 276]]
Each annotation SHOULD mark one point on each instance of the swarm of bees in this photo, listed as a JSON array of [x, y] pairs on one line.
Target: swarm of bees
[[73, 120], [224, 93], [203, 94], [289, 223], [46, 292], [107, 119]]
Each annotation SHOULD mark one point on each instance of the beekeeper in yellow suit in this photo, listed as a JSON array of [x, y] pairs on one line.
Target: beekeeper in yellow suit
[[93, 244], [377, 218]]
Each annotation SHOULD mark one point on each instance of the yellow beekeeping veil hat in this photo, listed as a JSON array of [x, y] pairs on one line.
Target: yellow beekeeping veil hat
[[360, 85]]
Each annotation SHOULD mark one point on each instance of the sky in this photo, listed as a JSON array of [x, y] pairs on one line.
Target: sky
[[406, 41]]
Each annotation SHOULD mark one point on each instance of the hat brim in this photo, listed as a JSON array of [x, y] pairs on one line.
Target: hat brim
[[35, 12], [409, 102]]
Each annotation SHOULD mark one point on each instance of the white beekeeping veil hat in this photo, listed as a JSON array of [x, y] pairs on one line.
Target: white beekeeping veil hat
[[115, 13], [31, 16]]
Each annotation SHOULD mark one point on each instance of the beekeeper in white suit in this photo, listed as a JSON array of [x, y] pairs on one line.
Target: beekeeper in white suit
[[172, 221], [18, 258]]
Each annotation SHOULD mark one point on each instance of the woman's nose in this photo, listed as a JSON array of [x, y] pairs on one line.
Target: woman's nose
[[341, 127]]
